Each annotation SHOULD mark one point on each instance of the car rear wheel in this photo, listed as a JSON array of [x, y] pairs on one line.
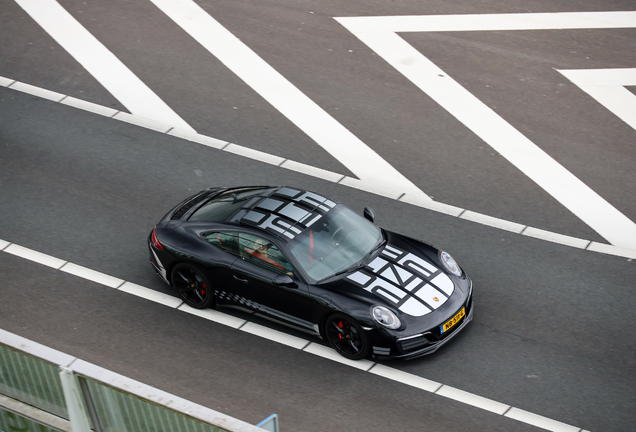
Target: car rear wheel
[[346, 336], [192, 285]]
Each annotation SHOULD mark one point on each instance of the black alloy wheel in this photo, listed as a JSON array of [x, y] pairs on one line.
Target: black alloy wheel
[[192, 285], [346, 336]]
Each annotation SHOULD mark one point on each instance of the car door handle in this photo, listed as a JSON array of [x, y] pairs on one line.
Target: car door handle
[[239, 279]]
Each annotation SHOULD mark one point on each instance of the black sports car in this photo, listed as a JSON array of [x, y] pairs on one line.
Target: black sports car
[[299, 258]]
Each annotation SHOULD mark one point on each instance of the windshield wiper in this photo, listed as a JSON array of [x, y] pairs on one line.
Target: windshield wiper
[[364, 262]]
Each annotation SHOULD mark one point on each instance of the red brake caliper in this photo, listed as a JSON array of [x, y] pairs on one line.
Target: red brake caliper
[[203, 290], [339, 325]]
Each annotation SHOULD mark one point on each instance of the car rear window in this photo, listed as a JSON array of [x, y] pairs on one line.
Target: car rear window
[[221, 207]]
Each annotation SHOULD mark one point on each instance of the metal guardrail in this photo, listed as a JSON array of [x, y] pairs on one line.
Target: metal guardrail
[[44, 390]]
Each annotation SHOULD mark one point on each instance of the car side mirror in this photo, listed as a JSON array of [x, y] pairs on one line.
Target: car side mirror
[[369, 214], [284, 280]]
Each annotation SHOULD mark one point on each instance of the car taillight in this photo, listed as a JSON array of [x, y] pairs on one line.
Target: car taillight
[[153, 239]]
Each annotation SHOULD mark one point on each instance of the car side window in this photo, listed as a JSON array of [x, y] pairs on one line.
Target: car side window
[[223, 240], [263, 253]]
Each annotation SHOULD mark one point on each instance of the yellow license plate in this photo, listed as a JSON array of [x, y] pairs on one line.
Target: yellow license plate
[[453, 321]]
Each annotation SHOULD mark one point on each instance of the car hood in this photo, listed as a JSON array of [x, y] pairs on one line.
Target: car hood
[[404, 275]]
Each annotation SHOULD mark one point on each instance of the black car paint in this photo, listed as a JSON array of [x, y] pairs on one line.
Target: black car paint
[[305, 306]]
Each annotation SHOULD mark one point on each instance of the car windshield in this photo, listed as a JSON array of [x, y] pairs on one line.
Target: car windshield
[[336, 242]]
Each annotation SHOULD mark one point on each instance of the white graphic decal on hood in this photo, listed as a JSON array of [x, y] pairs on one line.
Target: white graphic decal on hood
[[415, 286]]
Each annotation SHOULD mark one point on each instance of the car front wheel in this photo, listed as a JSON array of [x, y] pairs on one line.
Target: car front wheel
[[346, 336]]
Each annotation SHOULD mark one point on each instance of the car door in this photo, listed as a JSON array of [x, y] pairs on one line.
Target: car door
[[223, 254], [260, 262]]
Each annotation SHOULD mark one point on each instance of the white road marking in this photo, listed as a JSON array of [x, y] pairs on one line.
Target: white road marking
[[150, 294], [399, 195], [311, 170], [274, 335], [365, 163], [89, 106], [120, 81], [607, 86], [492, 221], [328, 353], [143, 122], [556, 238], [380, 34], [472, 399], [6, 82], [34, 256], [213, 315], [254, 154], [540, 421], [37, 91], [306, 346], [198, 138], [92, 275], [611, 250], [405, 378]]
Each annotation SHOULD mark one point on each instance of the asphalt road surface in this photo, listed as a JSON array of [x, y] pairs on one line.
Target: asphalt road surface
[[552, 332]]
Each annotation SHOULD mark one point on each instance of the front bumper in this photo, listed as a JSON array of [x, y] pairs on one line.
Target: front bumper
[[434, 345]]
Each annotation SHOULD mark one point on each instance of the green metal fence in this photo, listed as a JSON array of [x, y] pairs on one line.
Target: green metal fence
[[58, 387]]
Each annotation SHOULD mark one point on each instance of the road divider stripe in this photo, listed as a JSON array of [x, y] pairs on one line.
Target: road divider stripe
[[214, 315], [540, 421], [329, 353], [405, 378], [37, 91], [556, 238], [274, 335], [291, 341], [150, 294], [6, 82], [92, 275], [371, 188], [35, 256], [473, 399]]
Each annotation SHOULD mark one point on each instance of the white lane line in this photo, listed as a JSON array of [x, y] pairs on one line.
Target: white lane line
[[147, 293], [540, 421], [143, 122], [120, 81], [274, 335], [34, 256], [254, 154], [555, 238], [37, 91], [329, 353], [309, 347], [612, 250], [607, 86], [198, 138], [379, 34], [432, 205], [472, 399], [391, 193], [349, 150], [492, 221], [214, 315], [4, 244], [405, 378], [92, 275], [6, 82], [312, 171], [89, 106]]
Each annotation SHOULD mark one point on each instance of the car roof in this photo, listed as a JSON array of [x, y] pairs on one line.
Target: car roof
[[283, 211]]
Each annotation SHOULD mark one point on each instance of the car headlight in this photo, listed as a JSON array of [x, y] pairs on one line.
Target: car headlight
[[450, 264], [386, 317]]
